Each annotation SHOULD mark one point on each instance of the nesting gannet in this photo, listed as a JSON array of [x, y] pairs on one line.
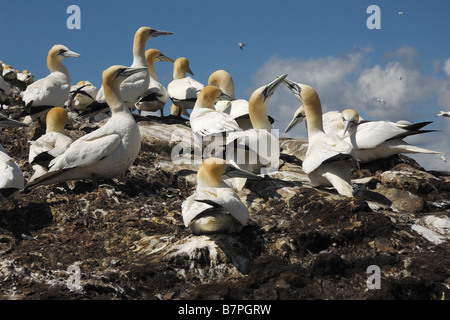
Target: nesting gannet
[[50, 145], [25, 76], [53, 90], [183, 90], [81, 95], [11, 177], [326, 158], [156, 96], [9, 73], [371, 140], [237, 108], [106, 152], [256, 150], [443, 113], [133, 88], [214, 207]]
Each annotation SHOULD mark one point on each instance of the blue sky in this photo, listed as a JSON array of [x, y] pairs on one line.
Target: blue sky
[[322, 43]]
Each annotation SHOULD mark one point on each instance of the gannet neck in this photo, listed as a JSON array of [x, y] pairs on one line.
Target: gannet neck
[[56, 120], [150, 56], [140, 38], [313, 109], [210, 172], [54, 62], [112, 96], [257, 109], [207, 97], [222, 80]]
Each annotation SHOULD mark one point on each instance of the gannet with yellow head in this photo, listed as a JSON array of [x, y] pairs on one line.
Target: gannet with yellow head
[[237, 108], [50, 145], [81, 95], [183, 90], [133, 88], [326, 162], [106, 152], [53, 90], [156, 96], [214, 207]]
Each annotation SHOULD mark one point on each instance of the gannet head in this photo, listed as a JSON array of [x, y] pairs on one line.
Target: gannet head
[[152, 55], [222, 80], [213, 171], [209, 95], [116, 74], [258, 102], [56, 119], [298, 117], [61, 52], [180, 67], [349, 118], [146, 33]]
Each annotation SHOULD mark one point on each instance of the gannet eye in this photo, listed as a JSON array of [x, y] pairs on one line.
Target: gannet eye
[[62, 51], [120, 71]]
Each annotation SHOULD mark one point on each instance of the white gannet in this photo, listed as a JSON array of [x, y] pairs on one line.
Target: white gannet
[[443, 113], [241, 45], [205, 120], [133, 88], [11, 177], [106, 152], [50, 145], [326, 160], [156, 96], [53, 90], [5, 88], [9, 73], [81, 95], [371, 140], [214, 207], [183, 90], [26, 77], [237, 108], [256, 150]]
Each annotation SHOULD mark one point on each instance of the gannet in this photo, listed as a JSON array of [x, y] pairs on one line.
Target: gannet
[[9, 73], [443, 113], [183, 90], [214, 207], [210, 125], [241, 45], [156, 96], [326, 158], [53, 90], [237, 108], [133, 88], [11, 177], [106, 152], [10, 123], [25, 76], [256, 150], [50, 145], [81, 95], [371, 140]]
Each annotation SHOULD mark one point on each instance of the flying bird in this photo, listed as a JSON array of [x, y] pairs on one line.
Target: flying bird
[[443, 113], [241, 45]]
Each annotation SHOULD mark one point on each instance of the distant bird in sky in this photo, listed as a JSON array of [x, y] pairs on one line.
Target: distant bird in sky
[[400, 78], [401, 13], [380, 100], [443, 114], [241, 45]]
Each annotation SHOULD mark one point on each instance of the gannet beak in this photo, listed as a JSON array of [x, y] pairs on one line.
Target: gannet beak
[[189, 71], [72, 54], [224, 96], [347, 124], [162, 57], [156, 33], [233, 172], [294, 87], [271, 87], [296, 120]]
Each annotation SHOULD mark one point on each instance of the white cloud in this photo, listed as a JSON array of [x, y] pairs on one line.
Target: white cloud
[[349, 81]]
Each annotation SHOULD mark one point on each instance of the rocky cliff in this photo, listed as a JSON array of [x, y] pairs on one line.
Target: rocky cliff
[[127, 240]]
